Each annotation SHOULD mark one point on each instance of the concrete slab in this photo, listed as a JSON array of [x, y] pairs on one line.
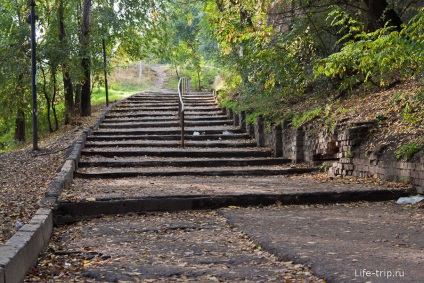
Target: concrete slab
[[365, 242], [164, 247]]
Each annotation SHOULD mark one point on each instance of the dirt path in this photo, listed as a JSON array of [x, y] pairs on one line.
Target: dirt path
[[161, 77]]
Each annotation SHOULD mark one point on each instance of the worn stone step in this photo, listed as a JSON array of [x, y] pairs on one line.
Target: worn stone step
[[156, 113], [179, 152], [158, 108], [119, 119], [153, 96], [151, 100], [99, 137], [235, 143], [149, 103], [200, 97], [141, 114], [96, 161], [171, 171], [201, 113], [167, 109], [175, 123], [171, 131], [188, 118]]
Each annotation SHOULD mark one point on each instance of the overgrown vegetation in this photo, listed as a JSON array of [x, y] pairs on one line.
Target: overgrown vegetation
[[408, 150]]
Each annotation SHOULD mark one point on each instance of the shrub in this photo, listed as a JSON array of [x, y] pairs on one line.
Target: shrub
[[408, 150]]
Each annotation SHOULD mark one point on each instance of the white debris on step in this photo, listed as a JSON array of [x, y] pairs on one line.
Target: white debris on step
[[227, 133], [19, 224], [410, 200], [196, 134]]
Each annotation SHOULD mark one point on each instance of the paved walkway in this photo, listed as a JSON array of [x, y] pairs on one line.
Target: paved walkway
[[359, 242]]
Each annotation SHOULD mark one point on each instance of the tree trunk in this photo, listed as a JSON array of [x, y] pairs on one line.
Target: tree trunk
[[379, 15], [48, 100], [198, 80], [86, 62], [105, 71], [53, 104], [78, 99], [20, 126], [67, 81]]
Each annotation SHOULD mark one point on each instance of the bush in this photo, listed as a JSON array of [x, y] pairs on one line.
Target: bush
[[408, 150], [379, 57]]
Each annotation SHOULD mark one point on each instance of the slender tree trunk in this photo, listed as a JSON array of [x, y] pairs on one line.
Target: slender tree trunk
[[86, 62], [20, 123], [198, 80], [78, 99], [105, 71], [67, 81], [53, 104], [48, 100], [20, 126], [176, 71]]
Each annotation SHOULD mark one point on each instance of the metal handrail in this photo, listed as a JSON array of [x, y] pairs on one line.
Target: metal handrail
[[183, 88]]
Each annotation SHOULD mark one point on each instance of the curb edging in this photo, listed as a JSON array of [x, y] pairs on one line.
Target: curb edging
[[21, 251]]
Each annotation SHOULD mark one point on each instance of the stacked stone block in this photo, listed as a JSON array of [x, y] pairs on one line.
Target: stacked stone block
[[313, 146]]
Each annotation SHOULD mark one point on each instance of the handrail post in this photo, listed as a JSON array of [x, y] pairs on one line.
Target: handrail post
[[181, 91]]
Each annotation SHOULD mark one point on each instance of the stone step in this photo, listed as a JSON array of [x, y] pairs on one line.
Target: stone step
[[188, 118], [171, 131], [149, 103], [96, 161], [179, 152], [151, 99], [98, 137], [190, 113], [173, 95], [158, 113], [158, 108], [142, 114], [193, 96], [175, 123], [138, 144], [166, 109], [171, 171]]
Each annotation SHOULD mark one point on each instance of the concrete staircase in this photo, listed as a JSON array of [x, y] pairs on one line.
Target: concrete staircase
[[141, 137]]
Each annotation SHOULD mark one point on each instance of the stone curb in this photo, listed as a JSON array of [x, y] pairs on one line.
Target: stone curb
[[67, 212], [21, 251]]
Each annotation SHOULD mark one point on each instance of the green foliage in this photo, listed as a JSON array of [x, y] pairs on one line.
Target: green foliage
[[229, 104], [332, 116], [207, 75], [379, 57], [408, 150], [300, 119]]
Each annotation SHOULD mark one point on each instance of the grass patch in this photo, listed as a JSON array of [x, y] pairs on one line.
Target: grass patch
[[98, 95]]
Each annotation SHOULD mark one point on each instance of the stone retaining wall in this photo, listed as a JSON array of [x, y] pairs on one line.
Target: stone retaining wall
[[338, 148]]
